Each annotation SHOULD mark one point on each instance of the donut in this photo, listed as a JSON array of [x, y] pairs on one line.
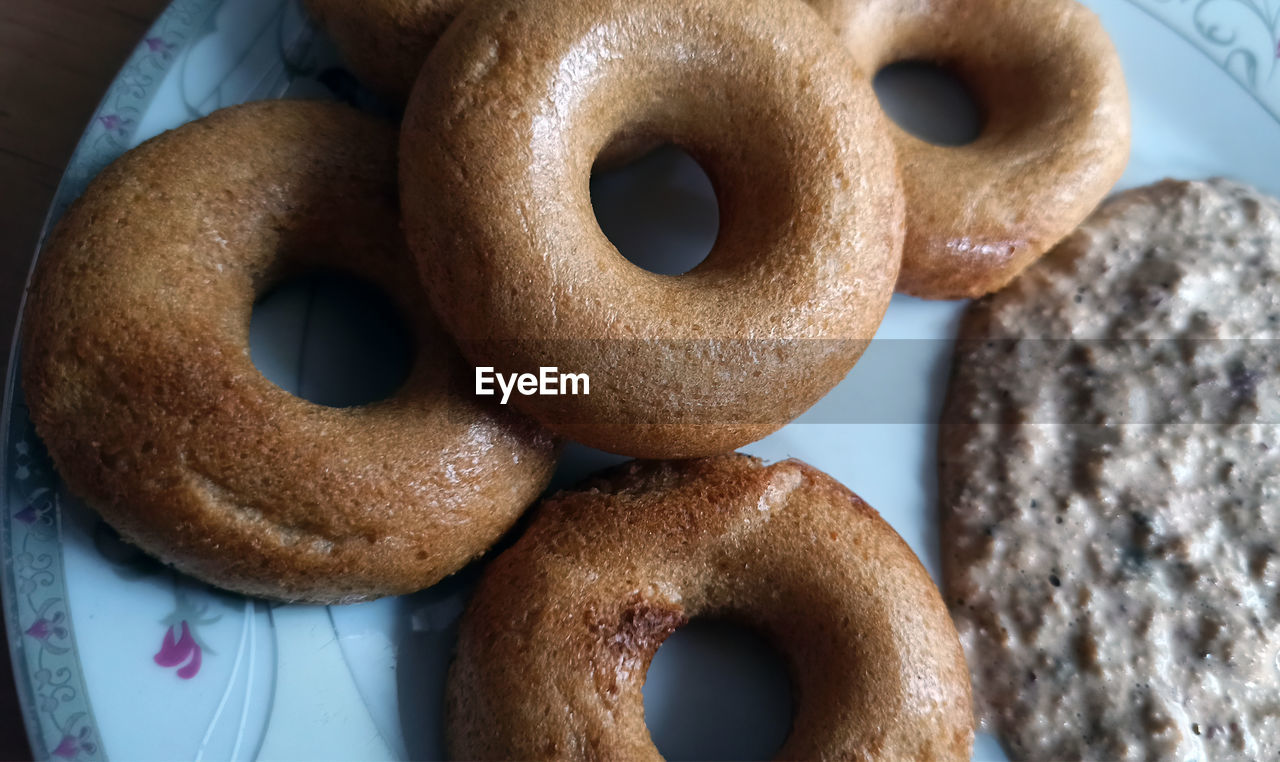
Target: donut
[[555, 643], [496, 152], [136, 369], [1054, 140], [385, 41]]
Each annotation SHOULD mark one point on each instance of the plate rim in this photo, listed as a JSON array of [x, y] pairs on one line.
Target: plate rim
[[1229, 50], [151, 60]]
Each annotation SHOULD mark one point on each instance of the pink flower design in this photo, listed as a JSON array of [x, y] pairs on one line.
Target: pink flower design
[[158, 45], [68, 749], [181, 645], [71, 745], [114, 122], [36, 510], [28, 515], [180, 651], [43, 628]]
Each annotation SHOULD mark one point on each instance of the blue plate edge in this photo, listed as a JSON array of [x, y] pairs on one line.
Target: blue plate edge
[[63, 195]]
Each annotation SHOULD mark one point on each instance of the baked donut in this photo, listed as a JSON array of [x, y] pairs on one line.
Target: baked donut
[[555, 643], [1055, 136], [136, 368], [496, 152], [385, 42]]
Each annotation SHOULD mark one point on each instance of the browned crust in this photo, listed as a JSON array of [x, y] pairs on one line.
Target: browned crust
[[554, 647], [506, 130], [1049, 81], [1055, 137], [135, 365], [385, 42]]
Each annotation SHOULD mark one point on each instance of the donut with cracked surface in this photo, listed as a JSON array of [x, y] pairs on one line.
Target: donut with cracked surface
[[1054, 139], [556, 641], [137, 372], [523, 96]]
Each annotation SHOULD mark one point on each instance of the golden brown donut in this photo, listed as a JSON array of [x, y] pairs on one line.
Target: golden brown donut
[[554, 646], [496, 153], [136, 368], [1055, 136], [385, 41]]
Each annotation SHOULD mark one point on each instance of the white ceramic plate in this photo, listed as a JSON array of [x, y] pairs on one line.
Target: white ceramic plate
[[116, 656]]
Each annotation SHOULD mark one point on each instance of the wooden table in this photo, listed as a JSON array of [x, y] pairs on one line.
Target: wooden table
[[56, 59]]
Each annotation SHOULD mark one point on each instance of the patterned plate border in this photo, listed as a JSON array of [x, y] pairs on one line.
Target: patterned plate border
[[47, 670], [1242, 37]]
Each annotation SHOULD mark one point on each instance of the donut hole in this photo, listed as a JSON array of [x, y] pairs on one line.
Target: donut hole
[[930, 102], [330, 338], [717, 691], [660, 211]]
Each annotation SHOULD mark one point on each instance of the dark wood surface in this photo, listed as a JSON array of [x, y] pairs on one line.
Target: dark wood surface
[[56, 59]]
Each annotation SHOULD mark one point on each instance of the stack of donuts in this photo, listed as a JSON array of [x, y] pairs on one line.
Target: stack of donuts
[[476, 220]]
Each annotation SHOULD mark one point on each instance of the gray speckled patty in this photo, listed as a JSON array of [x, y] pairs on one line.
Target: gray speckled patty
[[1110, 485]]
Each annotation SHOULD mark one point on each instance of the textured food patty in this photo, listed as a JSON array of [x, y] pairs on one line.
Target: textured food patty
[[1110, 485]]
